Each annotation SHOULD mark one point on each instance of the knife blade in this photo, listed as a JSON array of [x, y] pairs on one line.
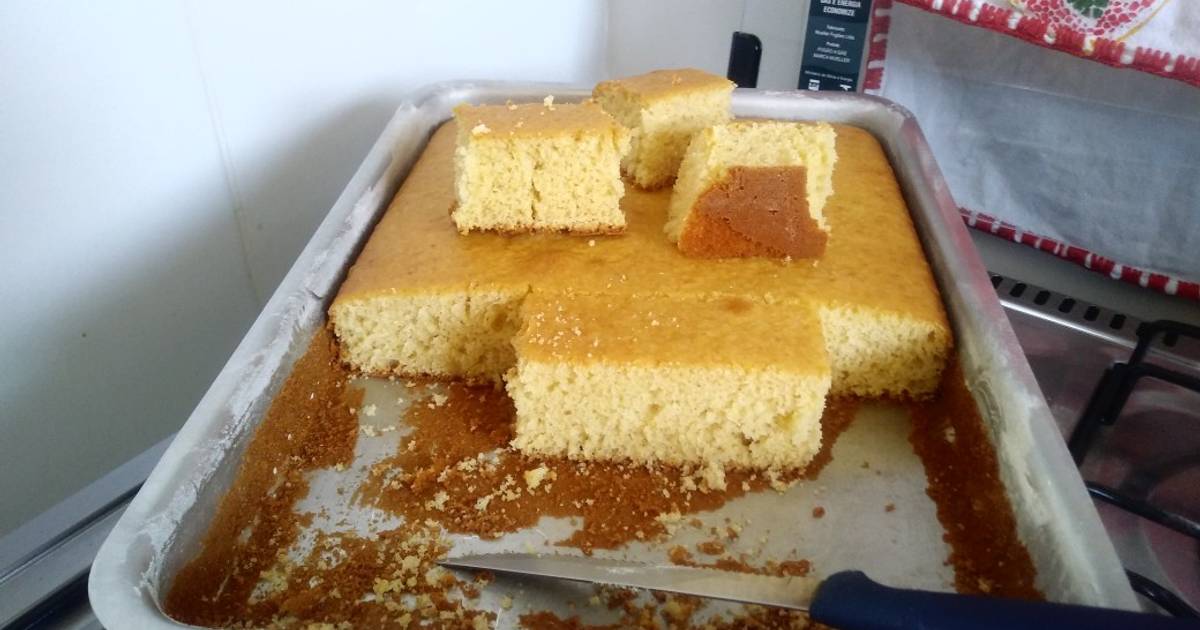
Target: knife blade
[[765, 590], [848, 600]]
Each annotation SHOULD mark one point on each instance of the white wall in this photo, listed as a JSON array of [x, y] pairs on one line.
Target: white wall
[[161, 165], [643, 36]]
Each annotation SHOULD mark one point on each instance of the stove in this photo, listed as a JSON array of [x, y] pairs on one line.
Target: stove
[[1126, 396], [1131, 417]]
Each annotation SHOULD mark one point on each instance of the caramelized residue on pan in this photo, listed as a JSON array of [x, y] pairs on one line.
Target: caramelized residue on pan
[[456, 467], [964, 481], [455, 472], [667, 611], [310, 424]]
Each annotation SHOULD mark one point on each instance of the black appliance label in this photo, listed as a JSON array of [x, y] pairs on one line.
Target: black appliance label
[[834, 44]]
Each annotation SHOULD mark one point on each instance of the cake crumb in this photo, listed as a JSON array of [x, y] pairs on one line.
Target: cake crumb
[[506, 602], [480, 129], [891, 507], [548, 101], [714, 477], [591, 242], [438, 502], [370, 410], [818, 512], [777, 482], [534, 477], [679, 555]]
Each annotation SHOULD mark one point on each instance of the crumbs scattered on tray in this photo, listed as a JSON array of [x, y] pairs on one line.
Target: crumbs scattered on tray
[[456, 467], [964, 482], [666, 611], [309, 425], [453, 472]]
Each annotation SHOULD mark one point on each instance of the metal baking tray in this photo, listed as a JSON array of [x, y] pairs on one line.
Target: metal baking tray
[[163, 526]]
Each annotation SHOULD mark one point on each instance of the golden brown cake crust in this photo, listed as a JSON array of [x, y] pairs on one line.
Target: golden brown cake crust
[[624, 330], [873, 258], [754, 211], [533, 119], [660, 84]]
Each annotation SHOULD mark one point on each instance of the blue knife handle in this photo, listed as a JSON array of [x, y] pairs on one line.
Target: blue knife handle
[[852, 601]]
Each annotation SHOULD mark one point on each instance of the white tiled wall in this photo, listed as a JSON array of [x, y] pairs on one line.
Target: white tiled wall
[[161, 165]]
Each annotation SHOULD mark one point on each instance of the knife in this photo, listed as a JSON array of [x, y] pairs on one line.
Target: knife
[[849, 600]]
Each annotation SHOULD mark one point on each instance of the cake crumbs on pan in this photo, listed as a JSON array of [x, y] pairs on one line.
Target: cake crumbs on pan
[[478, 420], [964, 482], [455, 455], [534, 476]]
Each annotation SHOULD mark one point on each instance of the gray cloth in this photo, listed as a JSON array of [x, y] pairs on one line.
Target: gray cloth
[[1103, 158]]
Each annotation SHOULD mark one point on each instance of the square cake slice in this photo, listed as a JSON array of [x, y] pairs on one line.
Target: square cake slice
[[710, 383], [754, 188], [663, 109], [538, 167]]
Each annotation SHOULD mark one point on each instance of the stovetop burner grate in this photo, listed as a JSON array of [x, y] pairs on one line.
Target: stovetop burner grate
[[1157, 390]]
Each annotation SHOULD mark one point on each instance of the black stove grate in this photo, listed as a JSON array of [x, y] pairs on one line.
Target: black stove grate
[[1104, 408], [1119, 381], [1126, 474]]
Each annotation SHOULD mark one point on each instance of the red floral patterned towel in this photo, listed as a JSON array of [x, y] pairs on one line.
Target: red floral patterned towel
[[1113, 19], [1157, 36]]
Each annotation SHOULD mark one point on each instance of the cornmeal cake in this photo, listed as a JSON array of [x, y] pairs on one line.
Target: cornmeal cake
[[423, 299], [754, 188], [541, 166], [663, 109], [727, 382]]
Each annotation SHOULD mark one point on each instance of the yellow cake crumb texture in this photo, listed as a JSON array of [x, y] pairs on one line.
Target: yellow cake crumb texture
[[663, 109], [723, 382], [538, 167], [715, 150], [597, 337]]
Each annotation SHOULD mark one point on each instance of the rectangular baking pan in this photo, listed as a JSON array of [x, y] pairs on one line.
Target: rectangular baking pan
[[163, 526]]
